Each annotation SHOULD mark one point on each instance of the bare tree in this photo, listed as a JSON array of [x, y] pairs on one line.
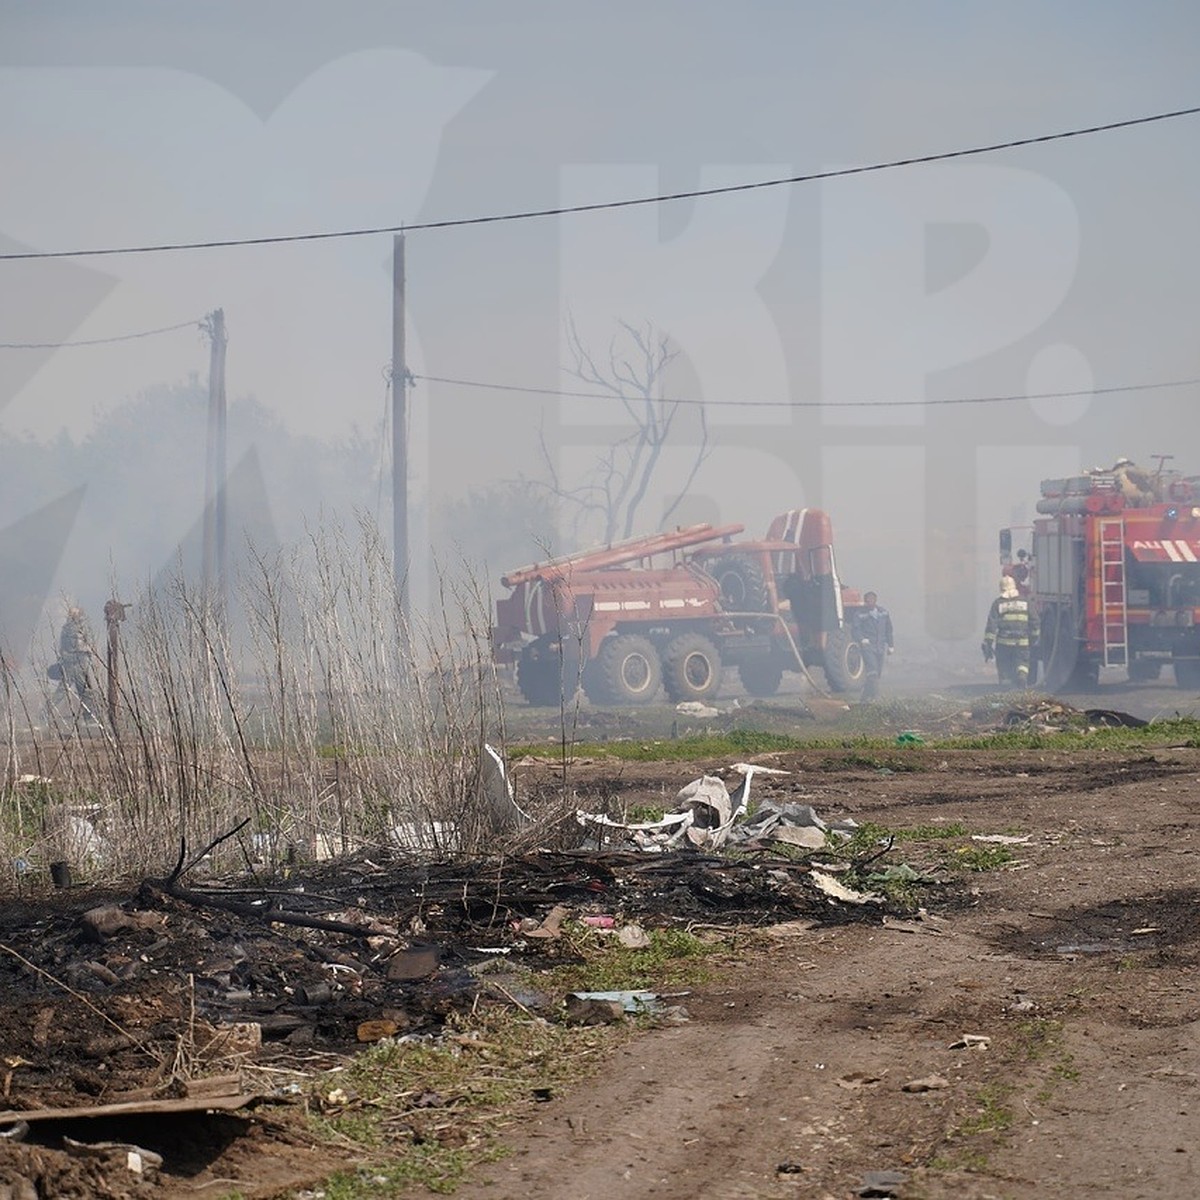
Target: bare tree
[[638, 360]]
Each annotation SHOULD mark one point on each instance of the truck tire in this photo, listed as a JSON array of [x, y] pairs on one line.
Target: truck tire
[[761, 676], [1086, 675], [545, 675], [742, 583], [1059, 648], [1187, 673], [691, 667], [626, 671], [844, 666]]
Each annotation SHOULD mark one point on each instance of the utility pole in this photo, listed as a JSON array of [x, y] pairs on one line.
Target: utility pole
[[400, 559], [214, 565], [114, 614]]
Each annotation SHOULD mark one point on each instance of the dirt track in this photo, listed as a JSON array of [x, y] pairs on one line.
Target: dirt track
[[1079, 964]]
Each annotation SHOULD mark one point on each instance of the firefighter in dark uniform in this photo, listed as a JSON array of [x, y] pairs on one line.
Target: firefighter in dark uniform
[[1011, 634], [872, 629]]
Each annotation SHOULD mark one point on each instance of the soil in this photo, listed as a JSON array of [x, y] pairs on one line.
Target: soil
[[1051, 1006]]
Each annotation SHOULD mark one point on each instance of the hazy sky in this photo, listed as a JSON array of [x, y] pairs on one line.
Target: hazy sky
[[1055, 267]]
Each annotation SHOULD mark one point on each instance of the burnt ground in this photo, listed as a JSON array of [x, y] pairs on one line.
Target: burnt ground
[[1076, 963]]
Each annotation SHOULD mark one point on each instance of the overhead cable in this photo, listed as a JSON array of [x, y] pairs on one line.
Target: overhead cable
[[122, 337], [602, 205], [954, 400]]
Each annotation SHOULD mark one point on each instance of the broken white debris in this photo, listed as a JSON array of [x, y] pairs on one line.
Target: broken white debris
[[839, 891], [497, 789]]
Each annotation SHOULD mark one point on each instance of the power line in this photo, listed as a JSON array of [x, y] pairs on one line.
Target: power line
[[956, 400], [121, 337], [599, 206]]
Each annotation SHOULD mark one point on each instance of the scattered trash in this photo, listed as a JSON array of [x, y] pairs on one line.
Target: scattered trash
[[708, 816], [631, 1002], [694, 708], [930, 1083], [633, 937], [1001, 839], [497, 790], [417, 962], [972, 1041], [789, 1168], [1111, 718], [839, 891], [376, 1031], [881, 1184], [712, 811], [599, 922], [137, 1160], [550, 928], [101, 924], [590, 1010], [793, 824], [909, 737]]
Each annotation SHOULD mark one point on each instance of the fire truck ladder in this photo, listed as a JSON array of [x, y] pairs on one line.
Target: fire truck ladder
[[1113, 611]]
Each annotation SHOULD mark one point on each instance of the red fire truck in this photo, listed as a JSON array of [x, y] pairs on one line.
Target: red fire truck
[[671, 610], [1115, 574]]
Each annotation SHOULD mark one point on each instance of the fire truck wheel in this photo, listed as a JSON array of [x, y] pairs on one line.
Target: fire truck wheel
[[1059, 650], [626, 671], [844, 667], [1085, 677], [544, 676], [1187, 673], [742, 583], [691, 668], [761, 676]]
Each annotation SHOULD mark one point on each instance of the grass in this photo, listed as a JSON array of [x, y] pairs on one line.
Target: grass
[[981, 858], [424, 1115], [902, 883], [878, 750], [1037, 1044], [737, 742], [674, 958], [993, 1114]]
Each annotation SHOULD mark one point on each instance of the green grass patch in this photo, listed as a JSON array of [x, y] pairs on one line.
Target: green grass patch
[[423, 1115], [992, 1115], [932, 833], [866, 738], [736, 743], [980, 858], [674, 958]]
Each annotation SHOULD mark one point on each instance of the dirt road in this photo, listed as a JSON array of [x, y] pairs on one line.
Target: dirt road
[[1077, 964]]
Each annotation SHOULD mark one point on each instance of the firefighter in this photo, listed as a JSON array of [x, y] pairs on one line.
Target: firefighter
[[872, 629], [75, 654], [1135, 483], [1020, 571], [1011, 634]]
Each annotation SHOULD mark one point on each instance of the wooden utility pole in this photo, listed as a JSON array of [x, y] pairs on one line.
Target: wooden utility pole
[[400, 553], [114, 614], [214, 566]]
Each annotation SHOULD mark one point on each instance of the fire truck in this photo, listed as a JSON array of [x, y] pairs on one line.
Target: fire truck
[[1115, 574], [669, 611]]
